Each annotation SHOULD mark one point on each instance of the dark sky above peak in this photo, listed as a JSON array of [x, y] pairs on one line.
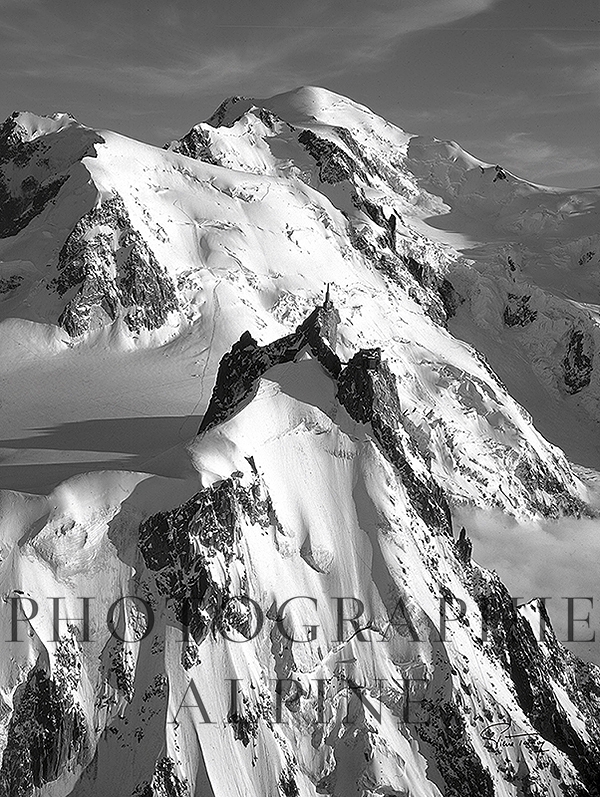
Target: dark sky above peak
[[514, 82]]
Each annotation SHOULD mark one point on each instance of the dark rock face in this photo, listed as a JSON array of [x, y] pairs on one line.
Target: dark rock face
[[182, 547], [217, 119], [513, 642], [367, 390], [334, 164], [450, 298], [165, 782], [455, 756], [10, 283], [32, 172], [434, 292], [196, 144], [179, 546], [269, 119], [111, 267], [518, 312], [47, 732], [577, 364], [464, 547], [241, 368], [287, 784], [434, 284]]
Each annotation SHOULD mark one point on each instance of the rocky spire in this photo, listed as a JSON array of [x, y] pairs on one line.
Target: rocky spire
[[464, 547]]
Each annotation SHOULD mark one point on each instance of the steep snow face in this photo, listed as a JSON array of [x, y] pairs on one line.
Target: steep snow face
[[330, 455], [338, 645], [251, 246], [501, 241]]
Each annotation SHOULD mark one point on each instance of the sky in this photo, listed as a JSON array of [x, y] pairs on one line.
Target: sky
[[514, 82]]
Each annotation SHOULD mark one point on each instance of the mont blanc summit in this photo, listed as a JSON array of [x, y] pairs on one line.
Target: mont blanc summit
[[252, 383]]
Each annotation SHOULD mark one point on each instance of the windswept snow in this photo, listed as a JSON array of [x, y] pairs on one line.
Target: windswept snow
[[432, 257]]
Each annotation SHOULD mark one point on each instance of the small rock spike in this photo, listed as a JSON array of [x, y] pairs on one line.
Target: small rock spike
[[327, 301]]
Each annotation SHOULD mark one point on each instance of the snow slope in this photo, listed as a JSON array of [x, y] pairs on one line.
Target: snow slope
[[127, 274]]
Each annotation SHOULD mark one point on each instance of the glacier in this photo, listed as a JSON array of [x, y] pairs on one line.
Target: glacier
[[279, 363]]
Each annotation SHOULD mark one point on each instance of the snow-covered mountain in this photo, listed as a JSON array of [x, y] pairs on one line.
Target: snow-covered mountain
[[307, 291]]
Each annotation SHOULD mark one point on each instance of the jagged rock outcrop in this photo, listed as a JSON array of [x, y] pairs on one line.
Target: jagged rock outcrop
[[429, 288], [186, 547], [165, 782], [195, 144], [112, 270], [464, 547], [34, 169], [541, 674], [334, 164], [548, 494], [578, 362], [367, 390], [47, 734], [241, 368], [10, 283]]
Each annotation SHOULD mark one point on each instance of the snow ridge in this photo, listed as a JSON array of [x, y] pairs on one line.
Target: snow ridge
[[290, 612]]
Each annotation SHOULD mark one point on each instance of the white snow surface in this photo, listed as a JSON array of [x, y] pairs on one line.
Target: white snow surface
[[99, 432]]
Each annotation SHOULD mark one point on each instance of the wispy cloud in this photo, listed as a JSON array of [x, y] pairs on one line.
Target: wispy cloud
[[386, 27], [587, 77], [578, 67], [537, 159], [313, 42], [576, 47], [553, 559]]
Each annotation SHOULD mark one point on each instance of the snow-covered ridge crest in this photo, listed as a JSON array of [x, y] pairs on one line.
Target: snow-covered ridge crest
[[337, 438], [403, 697], [29, 126]]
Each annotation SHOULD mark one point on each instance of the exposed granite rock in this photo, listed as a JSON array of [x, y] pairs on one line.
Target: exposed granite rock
[[455, 756], [518, 312], [111, 267], [217, 119], [31, 175], [376, 214], [196, 144], [436, 286], [464, 547], [10, 283], [183, 545], [435, 292], [287, 783], [585, 258], [367, 390], [450, 298], [269, 119], [165, 782], [47, 732], [577, 364], [241, 368], [17, 211], [511, 638], [334, 164], [548, 495]]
